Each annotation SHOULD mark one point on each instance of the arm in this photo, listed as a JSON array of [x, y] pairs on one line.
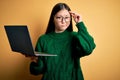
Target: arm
[[37, 67], [83, 41]]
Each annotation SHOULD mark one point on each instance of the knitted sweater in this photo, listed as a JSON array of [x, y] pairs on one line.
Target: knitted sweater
[[69, 47]]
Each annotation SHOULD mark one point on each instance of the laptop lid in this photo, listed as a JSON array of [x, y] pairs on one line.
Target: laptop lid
[[19, 39]]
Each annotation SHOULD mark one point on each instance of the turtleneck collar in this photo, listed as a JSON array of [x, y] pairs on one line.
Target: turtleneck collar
[[60, 35]]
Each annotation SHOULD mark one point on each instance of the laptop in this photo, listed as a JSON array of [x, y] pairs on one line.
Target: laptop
[[20, 41]]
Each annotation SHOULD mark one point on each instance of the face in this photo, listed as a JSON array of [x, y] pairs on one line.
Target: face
[[62, 20]]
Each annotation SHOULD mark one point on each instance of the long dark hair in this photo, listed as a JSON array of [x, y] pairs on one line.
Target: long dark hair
[[56, 8]]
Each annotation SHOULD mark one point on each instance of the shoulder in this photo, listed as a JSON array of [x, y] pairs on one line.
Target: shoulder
[[74, 33], [44, 37]]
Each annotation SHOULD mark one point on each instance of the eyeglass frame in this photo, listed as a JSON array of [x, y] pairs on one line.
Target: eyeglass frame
[[61, 18]]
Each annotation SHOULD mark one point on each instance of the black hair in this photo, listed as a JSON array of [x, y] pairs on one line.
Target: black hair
[[56, 8]]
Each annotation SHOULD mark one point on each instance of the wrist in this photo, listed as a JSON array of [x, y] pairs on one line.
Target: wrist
[[79, 23]]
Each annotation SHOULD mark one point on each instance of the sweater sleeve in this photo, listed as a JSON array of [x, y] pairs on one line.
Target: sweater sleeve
[[37, 68], [83, 41]]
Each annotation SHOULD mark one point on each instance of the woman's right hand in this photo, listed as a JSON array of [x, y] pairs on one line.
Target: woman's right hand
[[33, 58]]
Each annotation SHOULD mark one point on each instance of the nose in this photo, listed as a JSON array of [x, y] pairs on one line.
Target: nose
[[63, 20]]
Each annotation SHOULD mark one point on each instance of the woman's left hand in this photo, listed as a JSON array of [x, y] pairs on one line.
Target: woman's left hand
[[77, 18]]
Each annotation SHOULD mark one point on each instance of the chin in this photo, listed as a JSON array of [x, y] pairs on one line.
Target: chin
[[63, 29]]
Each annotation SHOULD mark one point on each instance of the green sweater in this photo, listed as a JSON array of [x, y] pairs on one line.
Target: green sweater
[[69, 47]]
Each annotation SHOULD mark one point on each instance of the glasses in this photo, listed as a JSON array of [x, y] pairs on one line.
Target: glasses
[[67, 19]]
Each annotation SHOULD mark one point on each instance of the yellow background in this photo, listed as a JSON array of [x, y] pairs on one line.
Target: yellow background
[[102, 18]]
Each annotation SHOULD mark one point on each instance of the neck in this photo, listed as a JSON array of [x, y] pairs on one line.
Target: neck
[[58, 31]]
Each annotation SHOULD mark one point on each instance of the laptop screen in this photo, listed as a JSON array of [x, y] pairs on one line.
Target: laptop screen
[[19, 39]]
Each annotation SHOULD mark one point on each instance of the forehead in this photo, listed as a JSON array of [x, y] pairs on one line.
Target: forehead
[[63, 12]]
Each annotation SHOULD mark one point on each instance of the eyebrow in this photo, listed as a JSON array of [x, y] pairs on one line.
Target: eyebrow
[[63, 16]]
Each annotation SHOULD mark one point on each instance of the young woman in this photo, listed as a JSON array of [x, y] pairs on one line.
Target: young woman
[[69, 46]]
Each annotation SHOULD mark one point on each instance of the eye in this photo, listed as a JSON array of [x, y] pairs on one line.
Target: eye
[[67, 17], [58, 17]]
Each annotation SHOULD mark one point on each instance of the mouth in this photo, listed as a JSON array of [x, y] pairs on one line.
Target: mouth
[[63, 25]]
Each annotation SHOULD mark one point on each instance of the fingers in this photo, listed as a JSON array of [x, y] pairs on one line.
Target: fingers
[[32, 58], [76, 16], [72, 14]]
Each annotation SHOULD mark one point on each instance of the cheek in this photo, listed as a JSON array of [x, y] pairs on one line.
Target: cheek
[[67, 24], [56, 23]]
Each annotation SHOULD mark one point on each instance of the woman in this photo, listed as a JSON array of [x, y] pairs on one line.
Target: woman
[[69, 46]]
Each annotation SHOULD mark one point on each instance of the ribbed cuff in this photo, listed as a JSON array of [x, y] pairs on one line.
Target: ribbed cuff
[[80, 26]]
